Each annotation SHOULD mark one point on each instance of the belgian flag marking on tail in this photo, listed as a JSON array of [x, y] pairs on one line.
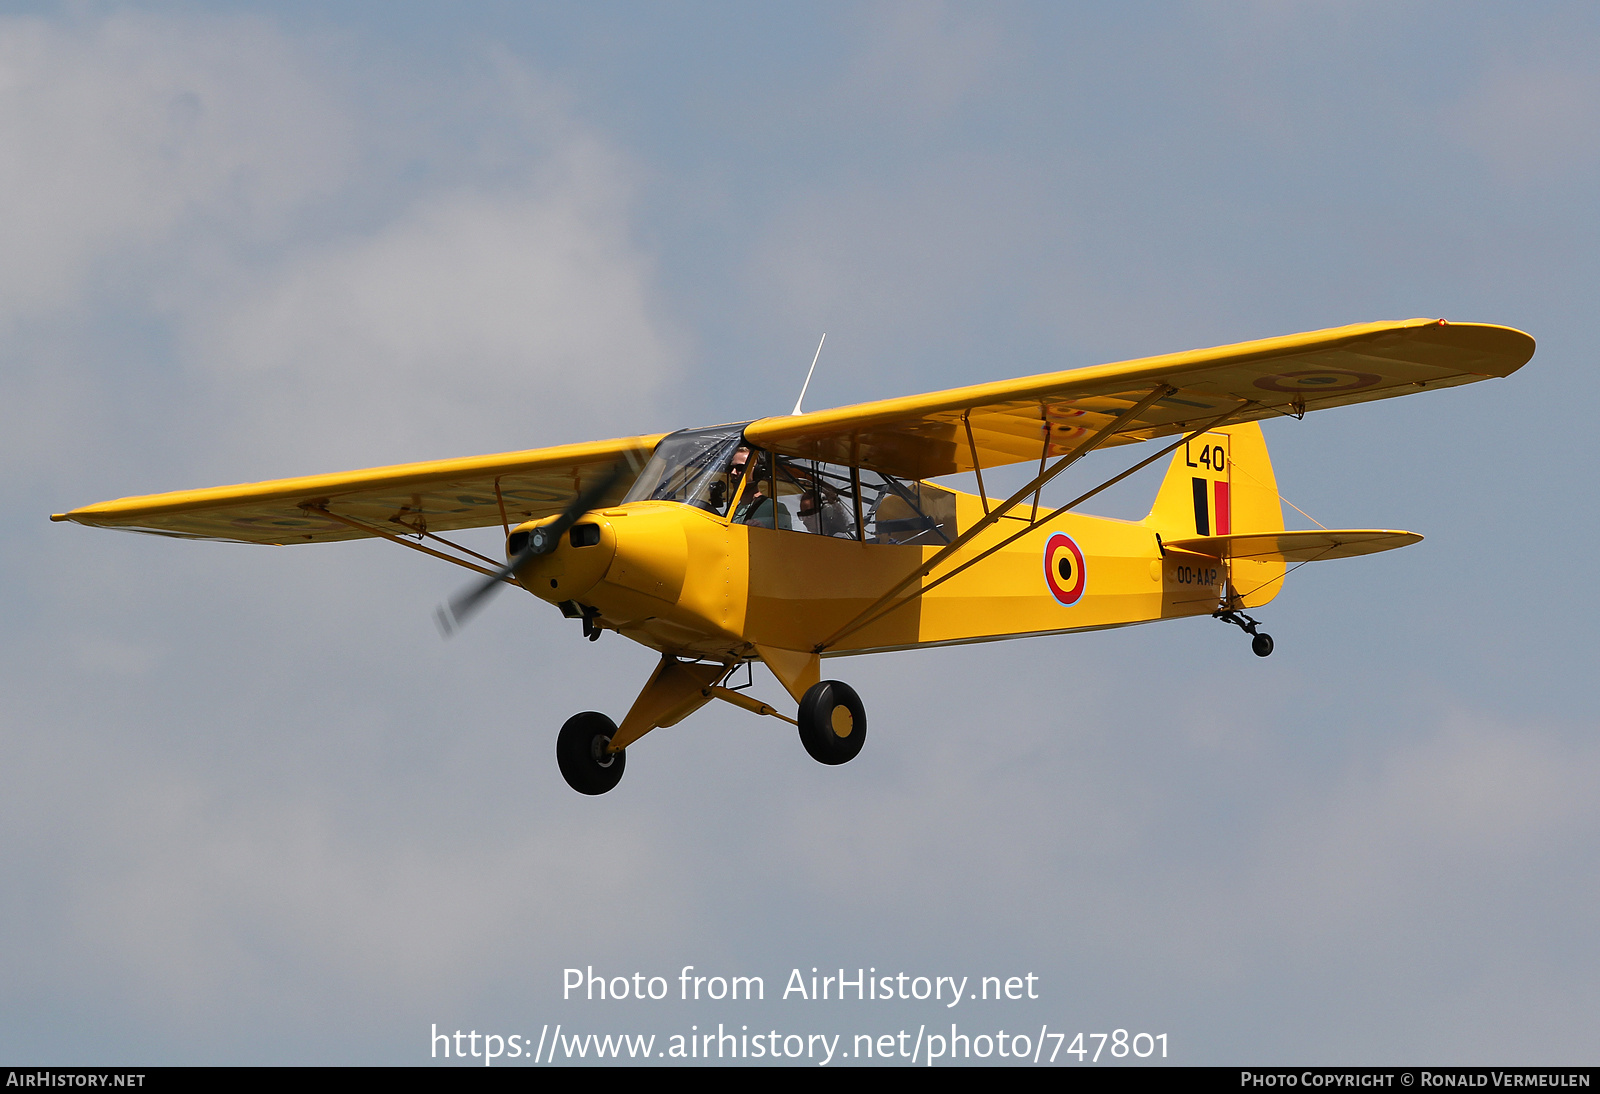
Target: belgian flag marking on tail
[[1064, 569], [1211, 496]]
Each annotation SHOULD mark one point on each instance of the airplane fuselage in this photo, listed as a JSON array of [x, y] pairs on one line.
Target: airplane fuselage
[[690, 583]]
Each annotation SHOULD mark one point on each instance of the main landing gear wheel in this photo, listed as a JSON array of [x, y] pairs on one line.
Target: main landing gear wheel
[[833, 723], [581, 753], [1262, 644]]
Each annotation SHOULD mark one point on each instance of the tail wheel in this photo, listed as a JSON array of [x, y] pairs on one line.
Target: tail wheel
[[833, 723], [582, 756]]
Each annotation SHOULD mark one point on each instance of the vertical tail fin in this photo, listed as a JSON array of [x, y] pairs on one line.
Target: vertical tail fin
[[1221, 483], [1218, 484]]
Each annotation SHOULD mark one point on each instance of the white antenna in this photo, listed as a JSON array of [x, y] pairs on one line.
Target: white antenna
[[807, 384]]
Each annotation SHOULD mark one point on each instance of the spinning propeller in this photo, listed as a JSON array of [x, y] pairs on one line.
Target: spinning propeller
[[452, 616]]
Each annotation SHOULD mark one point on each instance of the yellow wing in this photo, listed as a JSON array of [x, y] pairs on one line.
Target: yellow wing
[[434, 496], [926, 435]]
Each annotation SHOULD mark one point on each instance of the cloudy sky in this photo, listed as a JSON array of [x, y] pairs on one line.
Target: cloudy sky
[[252, 809]]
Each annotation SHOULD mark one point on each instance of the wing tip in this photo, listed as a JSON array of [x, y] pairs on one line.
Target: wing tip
[[1510, 347]]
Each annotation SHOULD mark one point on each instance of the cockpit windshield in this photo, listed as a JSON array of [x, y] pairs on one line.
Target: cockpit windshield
[[691, 466], [707, 467]]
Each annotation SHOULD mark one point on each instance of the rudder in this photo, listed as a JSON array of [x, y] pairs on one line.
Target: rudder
[[1221, 483]]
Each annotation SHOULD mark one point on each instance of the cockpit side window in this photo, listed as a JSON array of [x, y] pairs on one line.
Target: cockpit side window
[[907, 512], [817, 497], [832, 500]]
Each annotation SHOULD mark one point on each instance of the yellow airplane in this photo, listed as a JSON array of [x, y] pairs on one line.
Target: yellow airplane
[[790, 539]]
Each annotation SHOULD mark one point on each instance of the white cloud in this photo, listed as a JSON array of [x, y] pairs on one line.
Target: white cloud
[[477, 318], [126, 137], [207, 896], [300, 275]]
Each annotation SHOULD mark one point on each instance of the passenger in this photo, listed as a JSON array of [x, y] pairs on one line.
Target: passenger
[[808, 512], [837, 519], [830, 519]]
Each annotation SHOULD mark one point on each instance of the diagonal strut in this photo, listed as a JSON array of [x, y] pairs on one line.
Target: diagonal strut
[[1104, 433]]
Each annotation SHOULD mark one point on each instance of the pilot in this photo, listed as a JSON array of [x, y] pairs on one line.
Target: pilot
[[756, 507], [741, 457]]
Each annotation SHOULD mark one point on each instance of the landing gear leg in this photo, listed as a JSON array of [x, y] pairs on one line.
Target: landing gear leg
[[573, 610], [1260, 641]]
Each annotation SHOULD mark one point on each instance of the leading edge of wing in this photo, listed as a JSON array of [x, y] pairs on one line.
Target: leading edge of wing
[[274, 511], [921, 435], [1310, 545]]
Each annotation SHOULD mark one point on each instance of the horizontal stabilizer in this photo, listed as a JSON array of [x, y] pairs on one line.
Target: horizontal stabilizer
[[1305, 546]]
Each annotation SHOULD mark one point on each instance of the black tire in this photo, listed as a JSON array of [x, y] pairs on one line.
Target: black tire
[[827, 709], [580, 751], [1261, 645]]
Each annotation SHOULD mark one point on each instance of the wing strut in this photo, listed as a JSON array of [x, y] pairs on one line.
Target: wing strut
[[873, 614], [1044, 451], [977, 467], [360, 525], [500, 500], [1160, 391]]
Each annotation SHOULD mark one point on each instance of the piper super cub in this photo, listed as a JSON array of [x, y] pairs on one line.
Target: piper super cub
[[791, 539]]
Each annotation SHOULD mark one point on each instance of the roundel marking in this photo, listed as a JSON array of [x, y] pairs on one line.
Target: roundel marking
[[1321, 380], [1064, 569]]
